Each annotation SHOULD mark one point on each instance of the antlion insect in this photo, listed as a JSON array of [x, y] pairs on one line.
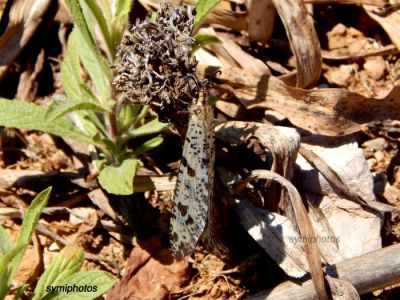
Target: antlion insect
[[193, 190]]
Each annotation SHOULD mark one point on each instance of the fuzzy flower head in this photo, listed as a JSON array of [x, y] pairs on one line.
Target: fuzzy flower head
[[155, 63]]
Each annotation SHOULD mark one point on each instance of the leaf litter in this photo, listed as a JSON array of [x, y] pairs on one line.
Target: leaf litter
[[326, 76]]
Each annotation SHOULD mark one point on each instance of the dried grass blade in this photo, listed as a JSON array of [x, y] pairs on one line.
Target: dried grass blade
[[303, 40], [304, 226]]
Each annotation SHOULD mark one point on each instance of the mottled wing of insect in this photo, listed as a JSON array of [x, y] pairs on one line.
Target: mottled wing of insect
[[193, 190]]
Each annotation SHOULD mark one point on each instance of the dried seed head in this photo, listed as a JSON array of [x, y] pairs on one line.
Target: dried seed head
[[155, 63]]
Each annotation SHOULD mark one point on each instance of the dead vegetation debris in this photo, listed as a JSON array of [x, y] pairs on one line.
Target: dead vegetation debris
[[307, 168]]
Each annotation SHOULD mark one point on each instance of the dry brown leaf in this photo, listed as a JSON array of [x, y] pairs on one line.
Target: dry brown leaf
[[31, 264], [230, 109], [151, 273], [261, 18], [325, 235], [242, 58], [332, 112], [303, 223], [390, 23], [351, 191], [303, 40]]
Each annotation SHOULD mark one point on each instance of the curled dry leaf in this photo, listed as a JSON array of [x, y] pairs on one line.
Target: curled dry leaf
[[303, 40], [345, 158], [390, 22]]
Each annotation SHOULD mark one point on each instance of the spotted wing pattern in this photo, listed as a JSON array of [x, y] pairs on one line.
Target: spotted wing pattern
[[195, 180]]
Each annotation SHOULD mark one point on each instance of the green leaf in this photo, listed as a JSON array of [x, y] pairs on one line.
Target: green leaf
[[202, 40], [98, 14], [148, 145], [95, 282], [203, 7], [123, 8], [18, 114], [5, 242], [142, 114], [20, 291], [6, 272], [119, 179], [71, 69], [127, 115], [87, 94], [152, 127], [93, 124], [106, 7], [68, 262], [5, 247], [29, 222], [30, 219], [96, 66], [120, 20], [58, 109], [90, 54], [5, 259], [81, 23], [5, 280]]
